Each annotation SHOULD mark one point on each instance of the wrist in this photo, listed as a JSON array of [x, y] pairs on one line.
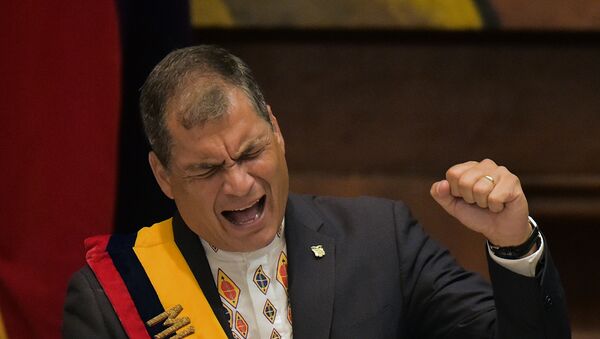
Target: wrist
[[523, 249], [517, 236]]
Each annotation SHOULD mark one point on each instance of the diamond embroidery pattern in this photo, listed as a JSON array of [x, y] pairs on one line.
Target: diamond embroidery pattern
[[282, 270], [269, 311], [241, 325], [261, 280], [253, 276], [275, 334], [228, 289]]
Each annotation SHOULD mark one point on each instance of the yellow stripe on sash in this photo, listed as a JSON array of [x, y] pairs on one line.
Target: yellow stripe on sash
[[173, 280], [2, 330]]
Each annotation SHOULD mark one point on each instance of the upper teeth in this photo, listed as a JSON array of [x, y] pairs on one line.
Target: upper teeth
[[247, 207]]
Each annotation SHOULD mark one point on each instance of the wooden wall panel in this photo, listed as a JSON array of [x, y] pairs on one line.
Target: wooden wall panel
[[418, 108], [366, 114], [548, 14]]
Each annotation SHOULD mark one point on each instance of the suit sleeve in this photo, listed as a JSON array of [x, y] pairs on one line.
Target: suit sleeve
[[523, 302], [445, 301], [87, 311]]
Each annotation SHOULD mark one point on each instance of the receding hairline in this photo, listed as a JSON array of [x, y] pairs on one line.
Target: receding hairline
[[187, 98]]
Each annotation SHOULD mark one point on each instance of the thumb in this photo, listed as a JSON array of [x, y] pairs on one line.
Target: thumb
[[440, 191]]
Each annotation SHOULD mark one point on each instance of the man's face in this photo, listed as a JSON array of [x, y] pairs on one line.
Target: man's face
[[228, 176]]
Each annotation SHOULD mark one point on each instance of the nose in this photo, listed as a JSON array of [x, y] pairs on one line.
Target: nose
[[238, 182]]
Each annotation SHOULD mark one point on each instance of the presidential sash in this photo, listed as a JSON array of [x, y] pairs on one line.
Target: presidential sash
[[150, 285]]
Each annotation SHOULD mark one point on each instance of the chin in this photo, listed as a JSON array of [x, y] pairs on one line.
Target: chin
[[261, 240]]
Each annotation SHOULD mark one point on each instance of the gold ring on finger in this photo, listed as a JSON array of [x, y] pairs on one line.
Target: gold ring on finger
[[490, 179]]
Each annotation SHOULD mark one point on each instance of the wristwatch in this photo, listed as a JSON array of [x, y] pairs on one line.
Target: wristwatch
[[519, 251]]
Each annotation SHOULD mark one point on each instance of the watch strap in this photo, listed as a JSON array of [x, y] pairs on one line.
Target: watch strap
[[519, 251]]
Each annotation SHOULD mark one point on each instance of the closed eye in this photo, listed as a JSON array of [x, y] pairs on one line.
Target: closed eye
[[251, 154], [203, 173], [207, 173]]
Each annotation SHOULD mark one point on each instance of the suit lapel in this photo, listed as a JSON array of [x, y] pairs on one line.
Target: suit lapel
[[311, 279], [191, 248]]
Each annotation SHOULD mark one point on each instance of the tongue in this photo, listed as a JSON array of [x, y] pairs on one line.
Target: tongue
[[242, 217]]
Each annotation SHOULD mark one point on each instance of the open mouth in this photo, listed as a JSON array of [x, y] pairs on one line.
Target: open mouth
[[246, 215]]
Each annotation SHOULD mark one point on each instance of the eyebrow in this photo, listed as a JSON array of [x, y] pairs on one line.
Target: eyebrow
[[202, 166], [250, 145]]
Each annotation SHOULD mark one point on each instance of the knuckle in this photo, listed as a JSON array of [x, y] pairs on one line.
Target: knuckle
[[488, 161], [480, 189], [497, 199], [464, 181], [452, 173], [516, 180], [470, 164]]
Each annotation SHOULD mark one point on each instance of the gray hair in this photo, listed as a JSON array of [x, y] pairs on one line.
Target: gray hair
[[208, 71]]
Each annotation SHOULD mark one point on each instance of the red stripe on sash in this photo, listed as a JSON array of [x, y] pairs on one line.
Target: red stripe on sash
[[101, 263]]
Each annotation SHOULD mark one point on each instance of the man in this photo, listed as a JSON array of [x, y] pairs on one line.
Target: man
[[358, 268]]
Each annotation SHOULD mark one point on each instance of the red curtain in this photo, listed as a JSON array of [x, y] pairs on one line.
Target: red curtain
[[59, 100]]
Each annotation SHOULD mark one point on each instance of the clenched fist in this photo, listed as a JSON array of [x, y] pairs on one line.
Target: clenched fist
[[486, 198]]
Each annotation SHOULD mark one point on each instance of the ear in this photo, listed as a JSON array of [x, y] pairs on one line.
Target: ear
[[275, 124], [161, 174]]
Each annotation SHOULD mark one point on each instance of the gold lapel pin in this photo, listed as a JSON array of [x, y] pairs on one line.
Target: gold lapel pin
[[318, 251], [169, 318]]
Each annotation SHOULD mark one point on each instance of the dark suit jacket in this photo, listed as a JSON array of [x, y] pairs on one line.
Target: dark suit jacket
[[381, 277]]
